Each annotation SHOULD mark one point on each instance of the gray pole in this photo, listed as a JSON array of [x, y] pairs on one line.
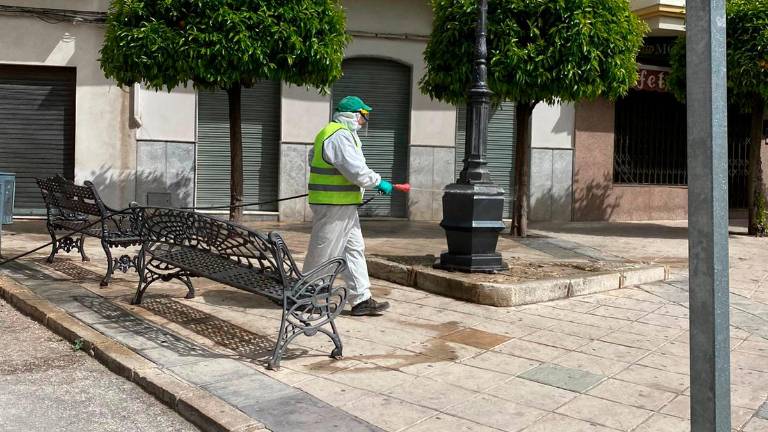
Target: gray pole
[[708, 216]]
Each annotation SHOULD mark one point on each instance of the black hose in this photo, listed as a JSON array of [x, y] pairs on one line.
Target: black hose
[[244, 205], [68, 235], [182, 208]]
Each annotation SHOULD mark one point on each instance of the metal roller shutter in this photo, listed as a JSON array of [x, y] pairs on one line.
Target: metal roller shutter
[[261, 146], [386, 86], [502, 131], [37, 128]]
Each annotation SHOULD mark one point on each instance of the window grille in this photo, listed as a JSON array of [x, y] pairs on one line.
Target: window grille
[[650, 146]]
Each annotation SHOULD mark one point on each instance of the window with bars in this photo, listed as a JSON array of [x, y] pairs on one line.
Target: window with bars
[[650, 140], [650, 146], [738, 157]]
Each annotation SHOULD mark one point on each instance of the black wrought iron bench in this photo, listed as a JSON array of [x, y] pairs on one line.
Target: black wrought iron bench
[[181, 244], [72, 207]]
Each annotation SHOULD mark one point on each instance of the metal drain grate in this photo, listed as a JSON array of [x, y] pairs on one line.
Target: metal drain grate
[[244, 342]]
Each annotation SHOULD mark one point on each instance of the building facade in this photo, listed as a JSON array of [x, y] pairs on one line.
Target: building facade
[[630, 155], [58, 114], [164, 148]]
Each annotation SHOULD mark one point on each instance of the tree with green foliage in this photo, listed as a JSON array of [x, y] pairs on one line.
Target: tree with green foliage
[[747, 70], [538, 51], [224, 45]]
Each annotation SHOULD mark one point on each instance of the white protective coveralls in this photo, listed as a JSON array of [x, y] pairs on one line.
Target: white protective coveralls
[[336, 228]]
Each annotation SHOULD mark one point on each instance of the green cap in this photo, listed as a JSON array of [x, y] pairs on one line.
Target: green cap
[[352, 104]]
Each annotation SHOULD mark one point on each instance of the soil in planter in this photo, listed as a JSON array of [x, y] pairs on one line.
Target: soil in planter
[[519, 270]]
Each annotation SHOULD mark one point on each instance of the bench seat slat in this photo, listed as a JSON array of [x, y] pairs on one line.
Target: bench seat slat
[[219, 269], [117, 237]]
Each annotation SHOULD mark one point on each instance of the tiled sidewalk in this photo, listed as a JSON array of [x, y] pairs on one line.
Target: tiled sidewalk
[[605, 362]]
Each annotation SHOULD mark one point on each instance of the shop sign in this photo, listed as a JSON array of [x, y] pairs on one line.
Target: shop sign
[[656, 51], [652, 78]]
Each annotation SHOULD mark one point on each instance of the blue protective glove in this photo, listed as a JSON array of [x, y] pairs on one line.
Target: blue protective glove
[[384, 187]]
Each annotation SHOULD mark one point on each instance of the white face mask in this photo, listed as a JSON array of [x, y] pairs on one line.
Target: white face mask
[[348, 119]]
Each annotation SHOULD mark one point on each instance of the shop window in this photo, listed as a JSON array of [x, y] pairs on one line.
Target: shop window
[[650, 144], [650, 140]]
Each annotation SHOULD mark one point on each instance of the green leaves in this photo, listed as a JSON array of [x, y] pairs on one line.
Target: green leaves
[[746, 54], [219, 43], [539, 50]]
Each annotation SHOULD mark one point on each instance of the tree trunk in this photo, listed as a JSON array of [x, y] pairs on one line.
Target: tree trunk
[[522, 169], [755, 180], [235, 155]]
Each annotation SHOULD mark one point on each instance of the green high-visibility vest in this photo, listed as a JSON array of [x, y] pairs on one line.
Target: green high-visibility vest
[[326, 184]]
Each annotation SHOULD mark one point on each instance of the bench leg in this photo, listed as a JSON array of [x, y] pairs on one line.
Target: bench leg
[[110, 265], [288, 331], [141, 267], [274, 362], [152, 271], [67, 244], [83, 256], [337, 352], [191, 289], [54, 245]]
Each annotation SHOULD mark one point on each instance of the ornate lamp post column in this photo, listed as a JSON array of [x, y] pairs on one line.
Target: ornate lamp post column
[[473, 206]]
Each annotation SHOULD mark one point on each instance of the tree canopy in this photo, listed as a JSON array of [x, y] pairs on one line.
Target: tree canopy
[[224, 44], [220, 43], [538, 50], [746, 54]]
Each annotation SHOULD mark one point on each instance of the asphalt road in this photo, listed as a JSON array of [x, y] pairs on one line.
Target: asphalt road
[[47, 386]]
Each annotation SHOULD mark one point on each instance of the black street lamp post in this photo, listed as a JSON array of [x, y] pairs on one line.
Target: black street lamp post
[[473, 206]]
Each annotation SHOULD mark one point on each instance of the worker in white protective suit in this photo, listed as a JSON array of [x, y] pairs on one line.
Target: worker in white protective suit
[[338, 177]]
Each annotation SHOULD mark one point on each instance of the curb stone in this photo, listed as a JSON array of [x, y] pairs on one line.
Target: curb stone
[[197, 406], [515, 294]]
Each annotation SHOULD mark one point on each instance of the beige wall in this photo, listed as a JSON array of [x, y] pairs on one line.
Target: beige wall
[[595, 197], [81, 5], [105, 150], [391, 16], [642, 4], [552, 126], [664, 17], [303, 112], [551, 174], [165, 116]]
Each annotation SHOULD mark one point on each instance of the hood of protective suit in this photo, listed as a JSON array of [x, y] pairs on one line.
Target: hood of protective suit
[[348, 119]]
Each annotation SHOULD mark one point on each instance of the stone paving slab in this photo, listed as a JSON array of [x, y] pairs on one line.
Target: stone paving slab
[[575, 380]]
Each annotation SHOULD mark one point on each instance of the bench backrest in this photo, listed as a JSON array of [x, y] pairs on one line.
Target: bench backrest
[[64, 198], [245, 246]]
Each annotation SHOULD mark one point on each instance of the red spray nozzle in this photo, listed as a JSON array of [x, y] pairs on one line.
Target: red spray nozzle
[[403, 187]]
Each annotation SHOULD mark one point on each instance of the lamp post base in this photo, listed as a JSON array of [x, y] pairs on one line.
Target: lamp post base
[[477, 263], [472, 222]]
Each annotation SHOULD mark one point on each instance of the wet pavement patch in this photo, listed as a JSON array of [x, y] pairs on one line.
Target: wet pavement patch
[[476, 338]]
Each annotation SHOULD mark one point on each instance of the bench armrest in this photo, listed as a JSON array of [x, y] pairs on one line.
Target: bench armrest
[[313, 297], [123, 223], [287, 267]]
